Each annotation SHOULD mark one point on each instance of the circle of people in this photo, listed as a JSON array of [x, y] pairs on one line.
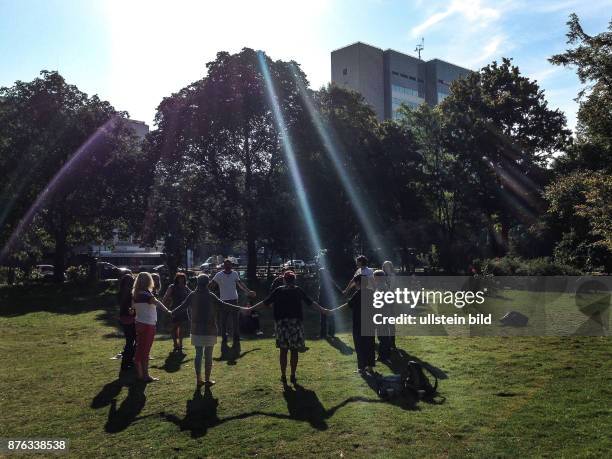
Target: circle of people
[[208, 312]]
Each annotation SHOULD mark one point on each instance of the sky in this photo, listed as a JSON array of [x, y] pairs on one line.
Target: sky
[[133, 53]]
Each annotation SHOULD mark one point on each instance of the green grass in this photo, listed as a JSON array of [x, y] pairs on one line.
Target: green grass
[[503, 397]]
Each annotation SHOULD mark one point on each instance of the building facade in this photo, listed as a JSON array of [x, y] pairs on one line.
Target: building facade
[[387, 79]]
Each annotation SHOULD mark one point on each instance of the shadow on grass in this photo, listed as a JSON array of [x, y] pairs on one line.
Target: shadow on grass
[[173, 362], [303, 405], [66, 298], [120, 418], [398, 363], [337, 343], [232, 354]]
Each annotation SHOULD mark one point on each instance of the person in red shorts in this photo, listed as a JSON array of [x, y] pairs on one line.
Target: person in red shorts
[[145, 305]]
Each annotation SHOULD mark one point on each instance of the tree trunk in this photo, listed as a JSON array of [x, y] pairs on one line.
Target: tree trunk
[[251, 253], [59, 257]]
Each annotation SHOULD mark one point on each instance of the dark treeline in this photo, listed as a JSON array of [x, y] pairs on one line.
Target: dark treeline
[[491, 173]]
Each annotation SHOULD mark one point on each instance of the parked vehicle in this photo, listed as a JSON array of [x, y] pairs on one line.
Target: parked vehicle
[[294, 264], [135, 261], [110, 271], [45, 271]]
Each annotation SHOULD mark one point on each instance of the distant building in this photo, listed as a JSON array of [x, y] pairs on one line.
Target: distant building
[[386, 79], [140, 128]]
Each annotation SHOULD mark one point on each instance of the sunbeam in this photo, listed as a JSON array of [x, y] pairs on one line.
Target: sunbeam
[[356, 198]]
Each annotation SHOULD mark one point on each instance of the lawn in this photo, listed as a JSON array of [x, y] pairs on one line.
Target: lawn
[[500, 397]]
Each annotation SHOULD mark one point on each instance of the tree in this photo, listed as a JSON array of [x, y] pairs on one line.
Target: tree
[[502, 130], [72, 166], [592, 57], [224, 153], [580, 209]]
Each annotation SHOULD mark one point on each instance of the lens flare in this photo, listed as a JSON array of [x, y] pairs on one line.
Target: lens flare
[[357, 199], [68, 168]]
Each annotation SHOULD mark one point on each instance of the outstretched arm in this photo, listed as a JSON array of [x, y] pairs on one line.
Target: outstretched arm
[[320, 308], [220, 302], [337, 309], [245, 289], [161, 305], [167, 299]]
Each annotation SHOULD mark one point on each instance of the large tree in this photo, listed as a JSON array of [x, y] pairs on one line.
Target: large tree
[[70, 163], [219, 148], [501, 127]]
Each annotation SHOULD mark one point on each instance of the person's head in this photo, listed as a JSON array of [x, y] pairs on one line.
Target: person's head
[[125, 285], [156, 281], [361, 261], [379, 279], [387, 267], [202, 282], [227, 264], [180, 279], [143, 282], [289, 277], [357, 281]]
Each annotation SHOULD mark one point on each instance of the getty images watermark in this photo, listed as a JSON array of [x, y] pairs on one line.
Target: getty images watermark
[[487, 306]]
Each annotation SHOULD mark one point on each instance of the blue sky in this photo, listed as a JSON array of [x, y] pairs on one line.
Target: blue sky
[[133, 53]]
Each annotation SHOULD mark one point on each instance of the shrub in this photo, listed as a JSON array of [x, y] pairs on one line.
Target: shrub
[[516, 266], [77, 274]]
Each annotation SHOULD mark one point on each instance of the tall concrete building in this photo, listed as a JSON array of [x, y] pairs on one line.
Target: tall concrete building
[[386, 79]]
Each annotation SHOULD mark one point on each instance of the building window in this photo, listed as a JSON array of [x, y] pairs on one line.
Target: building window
[[395, 73], [402, 91], [413, 78], [403, 75], [345, 71]]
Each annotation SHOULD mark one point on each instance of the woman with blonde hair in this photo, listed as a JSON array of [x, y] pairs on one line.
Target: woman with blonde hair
[[145, 304]]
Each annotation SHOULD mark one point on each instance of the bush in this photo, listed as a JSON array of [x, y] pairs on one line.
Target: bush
[[77, 274], [516, 266]]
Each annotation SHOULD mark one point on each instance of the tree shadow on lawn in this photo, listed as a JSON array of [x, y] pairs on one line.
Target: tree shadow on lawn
[[66, 298]]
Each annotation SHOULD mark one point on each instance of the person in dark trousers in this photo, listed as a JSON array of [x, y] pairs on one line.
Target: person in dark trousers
[[227, 280], [327, 298], [363, 342], [175, 295], [126, 318], [287, 302], [383, 332]]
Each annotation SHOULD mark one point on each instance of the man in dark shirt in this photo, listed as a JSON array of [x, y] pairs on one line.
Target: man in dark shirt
[[287, 303], [364, 342]]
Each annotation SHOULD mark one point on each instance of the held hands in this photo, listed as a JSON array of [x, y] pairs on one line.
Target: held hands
[[252, 294]]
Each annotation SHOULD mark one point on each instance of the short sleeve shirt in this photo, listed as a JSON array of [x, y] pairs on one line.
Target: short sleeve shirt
[[227, 284]]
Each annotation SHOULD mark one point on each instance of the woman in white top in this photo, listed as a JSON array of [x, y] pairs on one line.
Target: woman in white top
[[145, 304]]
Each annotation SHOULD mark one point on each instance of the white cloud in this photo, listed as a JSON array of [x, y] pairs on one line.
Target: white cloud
[[470, 10], [159, 46]]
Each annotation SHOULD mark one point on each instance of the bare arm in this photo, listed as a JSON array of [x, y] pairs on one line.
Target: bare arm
[[338, 308], [320, 308], [167, 299], [161, 305]]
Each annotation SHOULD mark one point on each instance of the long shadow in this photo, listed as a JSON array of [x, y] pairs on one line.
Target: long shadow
[[173, 362], [303, 406], [232, 354], [398, 363], [337, 343], [120, 418]]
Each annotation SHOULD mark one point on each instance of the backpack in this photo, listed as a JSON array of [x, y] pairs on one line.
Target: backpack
[[514, 319], [412, 382]]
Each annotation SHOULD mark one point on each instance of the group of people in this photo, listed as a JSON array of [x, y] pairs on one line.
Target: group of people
[[210, 314]]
